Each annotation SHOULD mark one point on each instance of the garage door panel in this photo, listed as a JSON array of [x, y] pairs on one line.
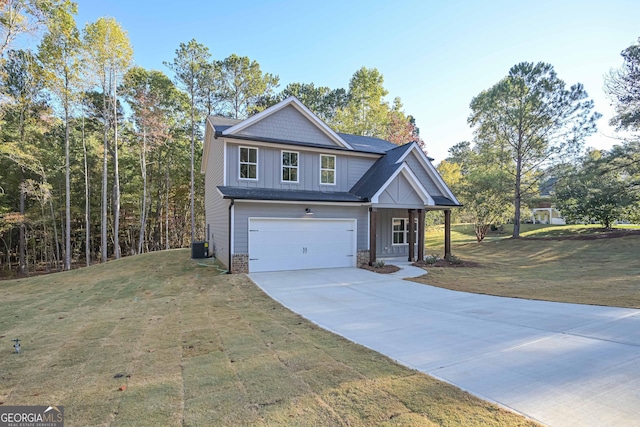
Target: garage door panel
[[294, 244]]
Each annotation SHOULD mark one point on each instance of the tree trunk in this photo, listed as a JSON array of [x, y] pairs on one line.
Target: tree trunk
[[517, 199], [55, 235], [193, 137], [116, 174], [22, 249], [22, 266], [87, 203], [166, 217], [143, 167], [44, 254], [67, 232], [105, 142]]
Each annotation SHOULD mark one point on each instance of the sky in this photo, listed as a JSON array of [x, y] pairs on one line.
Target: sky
[[435, 55]]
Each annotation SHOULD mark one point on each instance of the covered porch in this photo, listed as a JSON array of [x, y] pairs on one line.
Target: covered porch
[[400, 233]]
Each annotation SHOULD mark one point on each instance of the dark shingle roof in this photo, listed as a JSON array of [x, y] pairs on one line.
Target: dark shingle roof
[[380, 172], [360, 143], [225, 122], [287, 195], [444, 201], [367, 143]]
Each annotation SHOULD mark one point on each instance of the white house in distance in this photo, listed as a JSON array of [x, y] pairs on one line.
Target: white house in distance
[[283, 191], [544, 215], [544, 212]]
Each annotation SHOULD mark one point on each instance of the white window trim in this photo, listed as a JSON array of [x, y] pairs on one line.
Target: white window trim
[[335, 166], [405, 232], [282, 166], [240, 163]]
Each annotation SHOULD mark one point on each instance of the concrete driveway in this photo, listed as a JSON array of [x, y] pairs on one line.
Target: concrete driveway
[[560, 364]]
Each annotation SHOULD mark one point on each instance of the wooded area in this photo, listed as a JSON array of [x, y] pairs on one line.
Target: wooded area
[[100, 158]]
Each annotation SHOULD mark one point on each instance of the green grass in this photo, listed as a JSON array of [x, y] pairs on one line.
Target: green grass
[[197, 348], [463, 233], [543, 265]]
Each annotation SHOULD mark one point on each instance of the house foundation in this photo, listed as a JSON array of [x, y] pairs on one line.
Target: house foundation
[[240, 263], [363, 257]]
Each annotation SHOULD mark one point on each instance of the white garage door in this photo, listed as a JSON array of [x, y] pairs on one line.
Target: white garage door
[[298, 244]]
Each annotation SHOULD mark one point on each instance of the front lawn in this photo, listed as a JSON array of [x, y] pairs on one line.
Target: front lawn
[[575, 264], [160, 340]]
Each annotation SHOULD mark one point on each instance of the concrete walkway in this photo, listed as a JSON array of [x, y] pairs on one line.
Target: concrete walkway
[[560, 364]]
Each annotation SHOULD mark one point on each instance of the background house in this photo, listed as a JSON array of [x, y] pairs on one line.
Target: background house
[[543, 211]]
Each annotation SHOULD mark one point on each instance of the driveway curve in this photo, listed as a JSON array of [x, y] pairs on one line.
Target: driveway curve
[[559, 364]]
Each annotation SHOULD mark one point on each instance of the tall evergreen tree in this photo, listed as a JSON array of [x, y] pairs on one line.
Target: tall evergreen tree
[[154, 100], [242, 85], [534, 120], [367, 112], [623, 86], [190, 66]]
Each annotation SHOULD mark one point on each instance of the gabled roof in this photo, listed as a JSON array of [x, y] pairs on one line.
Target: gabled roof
[[383, 169], [389, 166], [414, 182], [431, 170], [295, 103]]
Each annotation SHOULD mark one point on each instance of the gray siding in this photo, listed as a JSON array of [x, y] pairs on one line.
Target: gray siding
[[400, 193], [356, 168], [385, 248], [348, 169], [290, 125], [216, 208], [427, 182], [243, 211]]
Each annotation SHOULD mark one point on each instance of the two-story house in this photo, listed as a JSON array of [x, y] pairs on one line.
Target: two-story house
[[283, 191]]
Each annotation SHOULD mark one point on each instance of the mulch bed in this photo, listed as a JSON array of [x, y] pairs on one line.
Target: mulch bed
[[445, 263], [385, 269]]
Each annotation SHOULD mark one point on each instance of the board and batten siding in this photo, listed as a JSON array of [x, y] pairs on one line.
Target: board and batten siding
[[385, 246], [399, 192], [216, 208], [246, 210], [348, 169]]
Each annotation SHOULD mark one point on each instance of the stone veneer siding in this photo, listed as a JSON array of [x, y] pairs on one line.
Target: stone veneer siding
[[240, 263], [363, 257]]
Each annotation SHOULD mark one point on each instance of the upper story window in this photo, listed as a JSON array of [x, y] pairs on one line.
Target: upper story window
[[248, 163], [290, 166], [400, 231], [327, 169]]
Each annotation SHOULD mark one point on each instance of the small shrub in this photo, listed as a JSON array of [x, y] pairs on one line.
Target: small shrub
[[430, 259], [379, 264], [454, 260]]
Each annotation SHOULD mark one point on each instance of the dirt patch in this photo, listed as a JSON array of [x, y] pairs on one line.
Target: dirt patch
[[445, 263], [385, 269]]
